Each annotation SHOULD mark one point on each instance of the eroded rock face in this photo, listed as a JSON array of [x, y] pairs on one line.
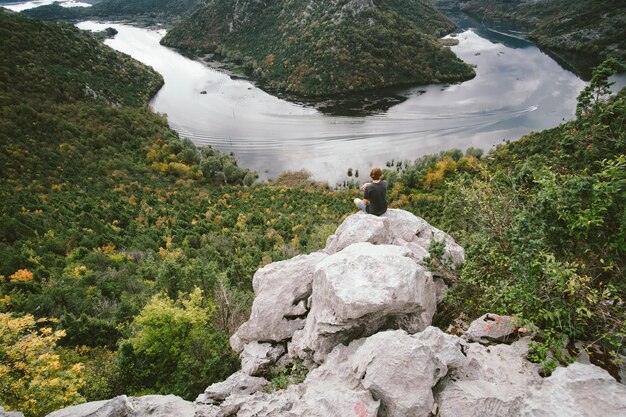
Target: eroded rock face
[[361, 290], [492, 381], [280, 304], [396, 227], [391, 373], [123, 406], [576, 391], [238, 384]]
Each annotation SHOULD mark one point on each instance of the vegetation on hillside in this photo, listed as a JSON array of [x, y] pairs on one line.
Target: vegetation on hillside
[[323, 48], [589, 29], [148, 12], [111, 224], [543, 222]]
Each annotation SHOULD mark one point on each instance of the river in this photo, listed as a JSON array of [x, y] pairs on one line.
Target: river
[[517, 89]]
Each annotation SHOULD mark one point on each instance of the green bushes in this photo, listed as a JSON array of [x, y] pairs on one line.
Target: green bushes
[[173, 348], [542, 221]]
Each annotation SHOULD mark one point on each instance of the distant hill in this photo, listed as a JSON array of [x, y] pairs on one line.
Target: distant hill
[[135, 7], [590, 29], [326, 47], [160, 10]]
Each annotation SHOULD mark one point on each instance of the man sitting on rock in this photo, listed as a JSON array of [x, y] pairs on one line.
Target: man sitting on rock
[[374, 194]]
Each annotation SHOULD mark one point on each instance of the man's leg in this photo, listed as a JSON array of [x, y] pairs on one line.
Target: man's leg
[[360, 204]]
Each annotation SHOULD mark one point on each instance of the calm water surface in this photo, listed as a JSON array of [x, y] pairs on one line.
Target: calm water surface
[[517, 89]]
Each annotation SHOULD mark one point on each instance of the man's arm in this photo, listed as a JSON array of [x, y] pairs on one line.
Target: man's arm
[[364, 186]]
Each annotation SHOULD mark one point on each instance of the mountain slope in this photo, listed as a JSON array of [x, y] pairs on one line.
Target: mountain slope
[[157, 11], [325, 47], [591, 29]]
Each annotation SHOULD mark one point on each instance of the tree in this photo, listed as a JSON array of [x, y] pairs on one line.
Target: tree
[[174, 348], [33, 378]]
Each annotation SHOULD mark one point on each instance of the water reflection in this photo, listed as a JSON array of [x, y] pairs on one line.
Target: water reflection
[[19, 6], [516, 90]]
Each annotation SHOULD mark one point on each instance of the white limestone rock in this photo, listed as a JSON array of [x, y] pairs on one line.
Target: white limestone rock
[[361, 290], [314, 400], [161, 406], [398, 369], [118, 407], [492, 381], [257, 357], [122, 406], [401, 370], [576, 391], [359, 227], [492, 328], [238, 384], [397, 227], [281, 290]]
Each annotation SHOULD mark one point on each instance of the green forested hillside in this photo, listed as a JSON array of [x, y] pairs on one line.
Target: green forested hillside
[[588, 29], [324, 47], [110, 224], [140, 11]]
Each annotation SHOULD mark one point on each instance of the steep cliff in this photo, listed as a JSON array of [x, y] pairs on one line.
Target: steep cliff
[[315, 48]]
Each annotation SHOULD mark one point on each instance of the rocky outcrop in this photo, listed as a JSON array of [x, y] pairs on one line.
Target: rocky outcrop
[[369, 277], [357, 315], [576, 391], [123, 406], [361, 290]]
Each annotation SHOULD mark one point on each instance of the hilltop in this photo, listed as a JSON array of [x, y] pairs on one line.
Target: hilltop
[[325, 47]]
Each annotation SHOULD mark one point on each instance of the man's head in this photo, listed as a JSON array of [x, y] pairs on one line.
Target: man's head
[[376, 173]]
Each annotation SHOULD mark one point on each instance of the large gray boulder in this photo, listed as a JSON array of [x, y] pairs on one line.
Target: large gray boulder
[[238, 384], [576, 391], [281, 292], [396, 227], [122, 406], [401, 370], [359, 291], [491, 381]]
